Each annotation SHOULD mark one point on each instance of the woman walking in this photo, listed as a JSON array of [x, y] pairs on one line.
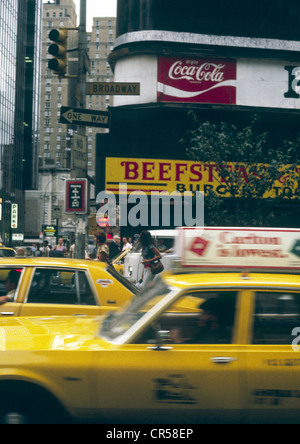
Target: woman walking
[[149, 254], [102, 248]]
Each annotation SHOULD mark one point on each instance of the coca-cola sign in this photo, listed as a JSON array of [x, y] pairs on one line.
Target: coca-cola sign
[[200, 80]]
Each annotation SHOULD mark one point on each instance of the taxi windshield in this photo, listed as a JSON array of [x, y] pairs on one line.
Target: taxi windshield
[[118, 322]]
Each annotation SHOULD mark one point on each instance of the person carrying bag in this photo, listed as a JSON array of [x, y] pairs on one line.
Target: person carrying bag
[[151, 260]]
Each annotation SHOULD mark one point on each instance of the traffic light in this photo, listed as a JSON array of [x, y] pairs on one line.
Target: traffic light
[[59, 50]]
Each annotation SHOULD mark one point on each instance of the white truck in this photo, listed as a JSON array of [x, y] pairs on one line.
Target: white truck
[[164, 241]]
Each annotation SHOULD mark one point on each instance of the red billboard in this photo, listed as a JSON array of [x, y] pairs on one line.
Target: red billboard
[[197, 80], [76, 196]]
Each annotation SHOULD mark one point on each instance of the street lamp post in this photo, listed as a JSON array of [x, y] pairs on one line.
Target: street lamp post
[[44, 198], [8, 204]]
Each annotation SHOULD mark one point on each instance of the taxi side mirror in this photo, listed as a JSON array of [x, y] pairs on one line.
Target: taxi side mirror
[[162, 337]]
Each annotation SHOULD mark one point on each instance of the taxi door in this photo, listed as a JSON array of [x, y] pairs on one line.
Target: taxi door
[[184, 384], [273, 358], [172, 383]]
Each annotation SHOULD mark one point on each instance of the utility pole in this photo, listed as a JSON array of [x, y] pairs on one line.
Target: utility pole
[[81, 87]]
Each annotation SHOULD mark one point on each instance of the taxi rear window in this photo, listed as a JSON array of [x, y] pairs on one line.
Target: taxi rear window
[[7, 253], [9, 274], [60, 286], [276, 315]]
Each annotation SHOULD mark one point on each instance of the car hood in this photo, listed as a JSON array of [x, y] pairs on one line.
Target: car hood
[[51, 333]]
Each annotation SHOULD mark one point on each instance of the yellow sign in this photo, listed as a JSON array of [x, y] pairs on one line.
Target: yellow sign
[[159, 175]]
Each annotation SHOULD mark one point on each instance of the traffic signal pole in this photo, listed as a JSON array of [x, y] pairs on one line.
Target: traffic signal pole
[[81, 85], [59, 65]]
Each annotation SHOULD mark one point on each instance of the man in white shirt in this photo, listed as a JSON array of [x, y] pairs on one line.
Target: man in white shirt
[[126, 245]]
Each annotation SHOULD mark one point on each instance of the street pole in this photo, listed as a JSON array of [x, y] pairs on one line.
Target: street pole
[[81, 85]]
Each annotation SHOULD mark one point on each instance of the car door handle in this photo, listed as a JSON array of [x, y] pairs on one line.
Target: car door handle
[[7, 313], [223, 360], [160, 348]]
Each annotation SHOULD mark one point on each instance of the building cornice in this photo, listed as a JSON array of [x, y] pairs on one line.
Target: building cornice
[[207, 40]]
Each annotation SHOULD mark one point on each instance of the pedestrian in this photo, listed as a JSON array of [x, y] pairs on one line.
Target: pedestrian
[[149, 254], [114, 247], [91, 250], [126, 245], [44, 250], [72, 250], [59, 250], [102, 248]]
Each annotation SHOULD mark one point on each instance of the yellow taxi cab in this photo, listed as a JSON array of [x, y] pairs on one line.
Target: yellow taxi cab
[[55, 286], [118, 261], [7, 252], [231, 356]]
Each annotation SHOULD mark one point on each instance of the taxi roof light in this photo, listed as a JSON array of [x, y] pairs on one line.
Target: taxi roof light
[[237, 249]]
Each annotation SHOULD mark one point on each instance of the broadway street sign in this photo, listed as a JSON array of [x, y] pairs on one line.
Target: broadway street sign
[[86, 117], [113, 89]]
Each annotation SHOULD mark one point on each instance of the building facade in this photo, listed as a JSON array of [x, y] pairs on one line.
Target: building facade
[[58, 140], [19, 102], [224, 60], [100, 44]]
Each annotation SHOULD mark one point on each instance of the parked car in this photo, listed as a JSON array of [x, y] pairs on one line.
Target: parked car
[[164, 240], [25, 251]]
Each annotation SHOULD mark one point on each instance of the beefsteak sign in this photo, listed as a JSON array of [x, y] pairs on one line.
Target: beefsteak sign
[[200, 80], [158, 175]]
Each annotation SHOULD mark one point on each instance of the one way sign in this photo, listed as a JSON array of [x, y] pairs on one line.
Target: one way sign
[[86, 117]]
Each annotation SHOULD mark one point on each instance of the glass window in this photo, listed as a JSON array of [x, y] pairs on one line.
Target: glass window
[[276, 315], [196, 318], [58, 286], [9, 280], [7, 253]]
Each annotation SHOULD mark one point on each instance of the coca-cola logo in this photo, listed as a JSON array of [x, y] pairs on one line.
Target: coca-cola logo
[[197, 80], [207, 72]]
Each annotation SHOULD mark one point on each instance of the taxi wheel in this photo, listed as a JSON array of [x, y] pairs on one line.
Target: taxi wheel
[[24, 413], [30, 406]]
